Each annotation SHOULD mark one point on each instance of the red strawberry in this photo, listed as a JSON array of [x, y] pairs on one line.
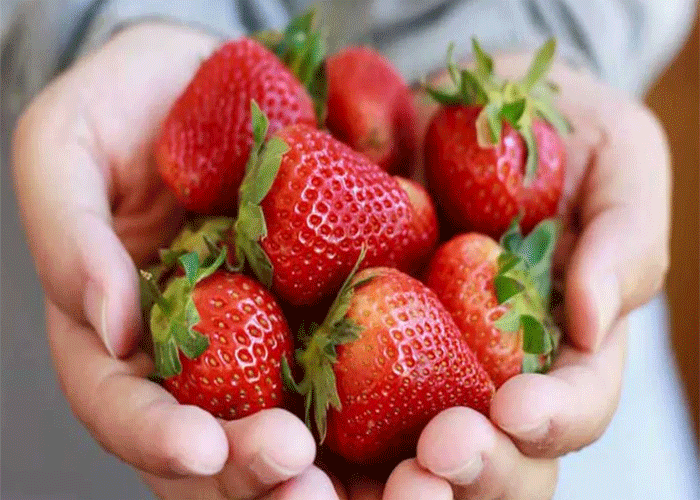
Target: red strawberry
[[387, 358], [370, 107], [424, 224], [308, 204], [205, 140], [494, 150], [498, 297], [219, 339]]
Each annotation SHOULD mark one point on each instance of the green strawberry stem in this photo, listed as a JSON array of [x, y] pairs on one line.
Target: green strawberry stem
[[319, 355], [302, 48], [261, 170], [518, 103], [199, 235], [174, 314], [523, 282]]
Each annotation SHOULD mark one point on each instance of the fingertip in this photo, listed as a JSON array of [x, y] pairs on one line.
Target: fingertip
[[452, 444], [111, 293], [274, 442], [193, 441], [409, 480], [525, 405], [292, 446], [311, 484]]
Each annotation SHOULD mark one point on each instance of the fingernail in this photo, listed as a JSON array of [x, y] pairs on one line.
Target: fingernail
[[269, 472], [95, 304], [531, 432], [606, 294], [466, 474]]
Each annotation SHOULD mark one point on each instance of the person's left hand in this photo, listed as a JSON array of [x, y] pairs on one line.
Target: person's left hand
[[612, 257]]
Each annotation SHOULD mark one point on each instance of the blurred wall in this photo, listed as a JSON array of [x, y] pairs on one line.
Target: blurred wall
[[674, 98]]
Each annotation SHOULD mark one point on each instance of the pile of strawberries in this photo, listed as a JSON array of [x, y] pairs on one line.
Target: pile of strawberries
[[285, 159]]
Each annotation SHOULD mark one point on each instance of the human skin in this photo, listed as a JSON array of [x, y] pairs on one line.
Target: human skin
[[94, 209]]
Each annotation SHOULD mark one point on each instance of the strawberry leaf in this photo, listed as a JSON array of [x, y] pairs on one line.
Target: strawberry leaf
[[506, 287], [538, 250], [488, 126], [524, 126], [190, 264], [513, 111], [512, 238], [442, 96], [535, 338], [484, 63], [549, 113], [541, 64], [287, 377], [319, 355], [318, 90], [265, 169], [167, 359], [261, 171], [302, 48], [191, 343]]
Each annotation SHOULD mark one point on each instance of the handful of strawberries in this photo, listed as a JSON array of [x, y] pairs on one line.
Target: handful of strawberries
[[285, 159]]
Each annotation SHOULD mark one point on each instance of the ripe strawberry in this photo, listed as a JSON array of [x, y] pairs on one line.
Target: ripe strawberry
[[308, 204], [370, 107], [424, 224], [387, 358], [498, 296], [204, 142], [219, 340], [494, 151]]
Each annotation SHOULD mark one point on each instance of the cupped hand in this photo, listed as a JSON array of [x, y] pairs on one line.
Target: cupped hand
[[612, 257], [94, 209]]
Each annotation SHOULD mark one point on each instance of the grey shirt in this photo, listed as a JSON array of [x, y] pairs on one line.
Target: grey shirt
[[626, 42]]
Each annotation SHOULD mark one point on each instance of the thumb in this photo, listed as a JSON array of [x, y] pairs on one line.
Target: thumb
[[62, 189], [621, 257]]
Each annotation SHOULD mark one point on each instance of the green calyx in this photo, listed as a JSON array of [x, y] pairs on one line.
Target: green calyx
[[201, 235], [517, 102], [261, 170], [302, 48], [523, 282], [319, 355], [174, 314]]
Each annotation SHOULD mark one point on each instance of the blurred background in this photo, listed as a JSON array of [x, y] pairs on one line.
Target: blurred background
[[674, 99], [47, 454]]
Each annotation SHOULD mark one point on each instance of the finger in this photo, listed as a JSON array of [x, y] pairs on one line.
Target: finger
[[569, 407], [461, 446], [409, 480], [266, 448], [131, 417], [621, 257], [63, 200], [312, 484], [72, 156]]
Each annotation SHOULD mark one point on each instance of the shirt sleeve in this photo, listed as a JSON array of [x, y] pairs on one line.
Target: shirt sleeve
[[625, 42], [45, 37]]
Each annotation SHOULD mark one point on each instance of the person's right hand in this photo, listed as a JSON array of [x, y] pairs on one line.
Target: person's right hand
[[94, 208]]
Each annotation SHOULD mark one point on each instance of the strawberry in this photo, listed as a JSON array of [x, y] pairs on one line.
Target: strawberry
[[219, 340], [387, 358], [205, 140], [370, 107], [498, 295], [494, 149], [308, 204], [424, 224]]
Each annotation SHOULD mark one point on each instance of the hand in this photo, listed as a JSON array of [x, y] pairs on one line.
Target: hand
[[612, 257], [94, 207]]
